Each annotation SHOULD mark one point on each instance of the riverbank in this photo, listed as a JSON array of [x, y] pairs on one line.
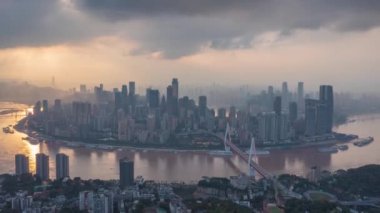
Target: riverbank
[[304, 145], [98, 144], [112, 145]]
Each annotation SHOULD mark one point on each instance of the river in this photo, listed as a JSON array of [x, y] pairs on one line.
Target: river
[[189, 166]]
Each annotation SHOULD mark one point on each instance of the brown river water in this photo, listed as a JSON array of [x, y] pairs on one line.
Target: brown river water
[[189, 166]]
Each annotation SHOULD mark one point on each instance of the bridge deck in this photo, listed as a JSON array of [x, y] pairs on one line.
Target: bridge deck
[[245, 157]]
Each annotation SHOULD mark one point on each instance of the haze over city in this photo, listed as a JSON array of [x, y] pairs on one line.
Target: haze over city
[[231, 43]]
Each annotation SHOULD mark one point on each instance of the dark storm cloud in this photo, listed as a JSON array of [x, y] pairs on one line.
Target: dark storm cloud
[[177, 28], [289, 14], [181, 27], [116, 9]]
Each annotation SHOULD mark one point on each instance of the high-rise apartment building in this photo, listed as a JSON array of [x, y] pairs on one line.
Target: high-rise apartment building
[[293, 112], [311, 107], [126, 169], [285, 96], [277, 106], [42, 166], [132, 95], [326, 98], [62, 166], [21, 164], [153, 98], [202, 103], [300, 98], [175, 86]]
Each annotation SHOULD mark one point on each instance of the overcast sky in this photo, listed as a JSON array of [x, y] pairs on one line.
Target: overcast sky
[[255, 42]]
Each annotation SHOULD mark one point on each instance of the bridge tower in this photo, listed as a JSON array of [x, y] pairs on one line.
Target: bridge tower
[[227, 138], [252, 153]]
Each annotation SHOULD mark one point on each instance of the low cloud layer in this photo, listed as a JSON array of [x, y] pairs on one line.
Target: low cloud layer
[[177, 28]]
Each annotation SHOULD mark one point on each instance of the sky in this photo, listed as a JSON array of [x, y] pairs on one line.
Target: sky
[[240, 42]]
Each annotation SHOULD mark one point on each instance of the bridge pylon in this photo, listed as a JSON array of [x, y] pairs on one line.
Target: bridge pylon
[[252, 153], [227, 138]]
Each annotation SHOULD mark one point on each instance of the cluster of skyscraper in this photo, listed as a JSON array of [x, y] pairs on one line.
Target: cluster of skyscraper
[[42, 165], [280, 116], [123, 114], [294, 117], [319, 112]]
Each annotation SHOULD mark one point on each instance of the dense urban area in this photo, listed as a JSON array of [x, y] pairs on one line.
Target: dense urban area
[[122, 117], [109, 119]]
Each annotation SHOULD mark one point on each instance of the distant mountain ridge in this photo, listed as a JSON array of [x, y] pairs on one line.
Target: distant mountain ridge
[[27, 93]]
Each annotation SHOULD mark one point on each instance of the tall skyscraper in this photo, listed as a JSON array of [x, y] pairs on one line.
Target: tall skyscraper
[[326, 96], [283, 127], [300, 98], [124, 90], [21, 164], [132, 88], [277, 106], [170, 99], [42, 166], [124, 98], [175, 86], [132, 95], [285, 96], [126, 169], [311, 106], [271, 127], [118, 100], [153, 98], [62, 166], [293, 112], [202, 103], [322, 126]]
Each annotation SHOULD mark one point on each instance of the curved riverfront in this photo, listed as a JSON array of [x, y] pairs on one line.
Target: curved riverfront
[[188, 166]]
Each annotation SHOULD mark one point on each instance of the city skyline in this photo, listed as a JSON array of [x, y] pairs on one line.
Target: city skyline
[[272, 117]]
